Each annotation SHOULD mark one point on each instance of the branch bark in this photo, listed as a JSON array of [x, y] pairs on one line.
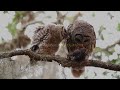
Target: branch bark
[[65, 62]]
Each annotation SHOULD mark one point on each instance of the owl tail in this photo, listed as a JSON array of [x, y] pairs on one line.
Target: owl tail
[[77, 72]]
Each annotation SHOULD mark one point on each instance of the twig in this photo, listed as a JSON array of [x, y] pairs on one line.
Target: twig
[[76, 16], [106, 49], [60, 17], [31, 23], [110, 46], [63, 61]]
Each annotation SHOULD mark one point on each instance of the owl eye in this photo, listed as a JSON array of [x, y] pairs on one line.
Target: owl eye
[[34, 48], [87, 40], [78, 38]]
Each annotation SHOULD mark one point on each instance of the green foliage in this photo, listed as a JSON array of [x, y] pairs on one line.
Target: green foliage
[[18, 16], [107, 53], [118, 27], [93, 14], [102, 28], [113, 61], [102, 37], [12, 26], [116, 61]]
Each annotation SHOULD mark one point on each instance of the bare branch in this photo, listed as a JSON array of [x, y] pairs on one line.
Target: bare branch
[[60, 17], [31, 23], [75, 17], [110, 46], [106, 49], [65, 62]]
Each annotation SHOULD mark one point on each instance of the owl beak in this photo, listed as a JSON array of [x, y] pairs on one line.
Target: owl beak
[[81, 46]]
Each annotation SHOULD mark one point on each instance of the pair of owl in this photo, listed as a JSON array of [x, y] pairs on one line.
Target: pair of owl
[[76, 42]]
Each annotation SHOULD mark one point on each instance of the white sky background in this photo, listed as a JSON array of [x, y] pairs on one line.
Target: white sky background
[[101, 18]]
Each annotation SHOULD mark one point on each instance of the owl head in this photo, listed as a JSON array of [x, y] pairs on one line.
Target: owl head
[[81, 35]]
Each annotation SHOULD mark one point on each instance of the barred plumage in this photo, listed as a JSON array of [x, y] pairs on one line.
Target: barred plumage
[[78, 39], [82, 40], [47, 38]]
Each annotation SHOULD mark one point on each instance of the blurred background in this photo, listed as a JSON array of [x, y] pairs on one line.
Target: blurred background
[[16, 31]]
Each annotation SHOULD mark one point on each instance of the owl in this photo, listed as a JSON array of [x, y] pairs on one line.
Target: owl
[[76, 42], [80, 44], [46, 39]]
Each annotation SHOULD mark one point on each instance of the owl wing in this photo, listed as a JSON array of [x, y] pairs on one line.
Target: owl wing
[[40, 35], [46, 39]]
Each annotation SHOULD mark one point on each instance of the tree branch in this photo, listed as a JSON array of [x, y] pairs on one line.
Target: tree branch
[[65, 62], [31, 23], [60, 17], [75, 17], [110, 46]]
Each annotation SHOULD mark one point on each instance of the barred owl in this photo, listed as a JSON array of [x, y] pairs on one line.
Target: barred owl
[[46, 39], [80, 44], [78, 41]]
